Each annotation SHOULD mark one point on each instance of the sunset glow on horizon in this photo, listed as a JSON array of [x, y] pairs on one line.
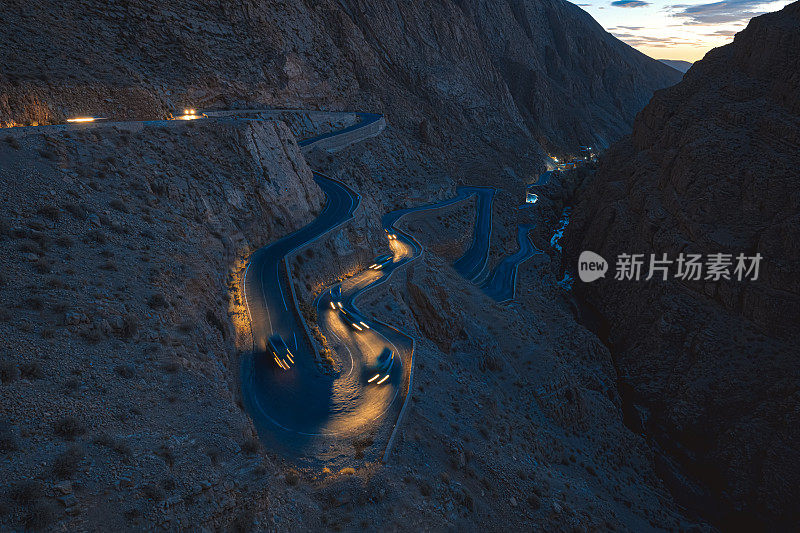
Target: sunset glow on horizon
[[682, 31]]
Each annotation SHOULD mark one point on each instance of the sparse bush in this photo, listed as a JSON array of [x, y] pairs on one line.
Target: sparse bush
[[26, 492], [213, 454], [425, 488], [125, 371], [66, 464], [152, 492], [20, 233], [243, 522], [42, 266], [171, 366], [168, 483], [489, 362], [56, 283], [91, 334], [28, 246], [65, 241], [76, 210], [114, 444], [157, 301], [130, 325], [8, 371], [292, 477], [251, 446], [68, 428], [48, 333], [132, 515], [72, 384], [95, 236], [48, 154], [119, 205], [50, 211], [12, 142], [31, 371], [215, 321], [8, 438], [41, 514], [534, 502], [165, 453]]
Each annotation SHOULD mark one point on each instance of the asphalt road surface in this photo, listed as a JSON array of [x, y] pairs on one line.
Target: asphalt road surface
[[502, 282], [472, 264], [295, 408]]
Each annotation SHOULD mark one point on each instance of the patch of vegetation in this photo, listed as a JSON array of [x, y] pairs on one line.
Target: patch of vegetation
[[215, 321], [157, 301], [251, 446], [34, 303], [43, 266], [66, 464], [292, 477], [50, 211], [77, 210], [243, 522], [26, 492], [12, 142], [96, 236], [9, 442], [119, 205], [152, 492], [65, 241], [125, 371], [130, 326], [114, 444], [8, 371], [48, 154], [31, 371], [69, 427]]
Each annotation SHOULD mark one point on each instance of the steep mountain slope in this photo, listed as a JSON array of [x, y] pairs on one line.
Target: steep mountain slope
[[476, 69], [677, 64], [712, 167]]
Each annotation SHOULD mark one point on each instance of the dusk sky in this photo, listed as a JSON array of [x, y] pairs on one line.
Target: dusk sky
[[667, 30]]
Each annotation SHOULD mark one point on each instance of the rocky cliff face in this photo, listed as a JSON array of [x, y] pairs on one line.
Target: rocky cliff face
[[713, 367], [472, 69], [119, 329]]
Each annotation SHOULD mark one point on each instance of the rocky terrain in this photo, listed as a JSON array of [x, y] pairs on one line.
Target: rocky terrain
[[124, 325], [710, 370], [119, 335], [452, 73], [682, 66], [123, 249]]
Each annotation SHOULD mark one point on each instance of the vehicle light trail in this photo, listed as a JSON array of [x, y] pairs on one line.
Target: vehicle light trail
[[83, 119]]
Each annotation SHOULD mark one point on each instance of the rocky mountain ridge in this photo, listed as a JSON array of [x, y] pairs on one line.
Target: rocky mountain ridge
[[474, 70], [711, 369]]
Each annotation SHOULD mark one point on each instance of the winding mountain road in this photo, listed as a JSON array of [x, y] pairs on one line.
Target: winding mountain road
[[298, 409], [501, 284]]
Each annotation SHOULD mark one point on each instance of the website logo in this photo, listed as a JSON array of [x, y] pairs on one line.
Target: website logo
[[591, 266]]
